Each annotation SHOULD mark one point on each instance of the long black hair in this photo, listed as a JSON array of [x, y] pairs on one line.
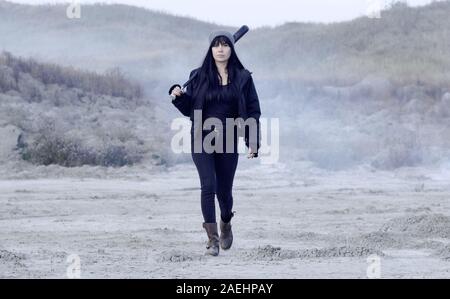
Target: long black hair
[[210, 78]]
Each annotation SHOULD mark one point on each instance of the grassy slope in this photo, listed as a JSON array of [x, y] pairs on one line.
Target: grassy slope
[[406, 44]]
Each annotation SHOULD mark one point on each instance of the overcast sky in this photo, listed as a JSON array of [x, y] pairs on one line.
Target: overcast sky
[[254, 13]]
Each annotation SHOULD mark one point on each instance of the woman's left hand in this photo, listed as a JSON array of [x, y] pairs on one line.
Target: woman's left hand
[[251, 153]]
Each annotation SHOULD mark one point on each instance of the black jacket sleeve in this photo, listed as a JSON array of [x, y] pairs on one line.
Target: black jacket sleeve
[[253, 111], [185, 101]]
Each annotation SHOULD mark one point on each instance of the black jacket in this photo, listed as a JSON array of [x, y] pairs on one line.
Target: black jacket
[[248, 103]]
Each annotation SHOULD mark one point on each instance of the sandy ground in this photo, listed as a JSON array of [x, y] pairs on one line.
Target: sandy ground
[[292, 221]]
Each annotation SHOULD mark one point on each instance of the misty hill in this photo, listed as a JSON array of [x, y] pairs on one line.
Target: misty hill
[[364, 91], [106, 35], [406, 44], [59, 115]]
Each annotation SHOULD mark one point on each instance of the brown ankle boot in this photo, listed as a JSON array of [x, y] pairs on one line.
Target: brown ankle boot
[[212, 247], [226, 234]]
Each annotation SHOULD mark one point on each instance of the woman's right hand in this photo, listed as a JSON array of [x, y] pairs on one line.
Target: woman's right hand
[[177, 92]]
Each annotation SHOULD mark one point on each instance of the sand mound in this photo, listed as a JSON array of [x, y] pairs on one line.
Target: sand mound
[[178, 257], [430, 244], [300, 236], [270, 252], [429, 225], [11, 257], [444, 253], [380, 240]]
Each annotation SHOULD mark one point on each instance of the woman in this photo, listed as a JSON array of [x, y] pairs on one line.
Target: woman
[[222, 89]]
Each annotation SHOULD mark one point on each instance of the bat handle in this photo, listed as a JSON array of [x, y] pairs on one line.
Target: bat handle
[[183, 90]]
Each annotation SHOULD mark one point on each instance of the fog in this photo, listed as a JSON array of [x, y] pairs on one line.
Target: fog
[[245, 12], [87, 167], [339, 103]]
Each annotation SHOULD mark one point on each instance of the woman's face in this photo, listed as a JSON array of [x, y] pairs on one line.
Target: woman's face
[[221, 52]]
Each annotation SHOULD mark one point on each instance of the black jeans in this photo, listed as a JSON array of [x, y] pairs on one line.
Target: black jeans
[[216, 172]]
